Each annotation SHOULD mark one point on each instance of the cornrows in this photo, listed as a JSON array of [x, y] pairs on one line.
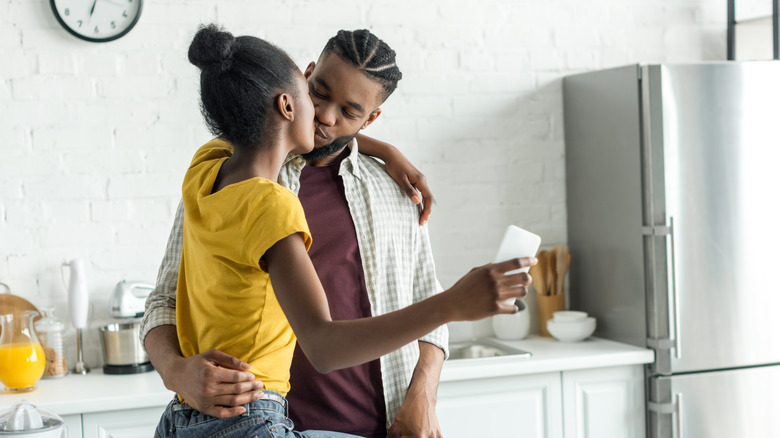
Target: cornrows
[[368, 54]]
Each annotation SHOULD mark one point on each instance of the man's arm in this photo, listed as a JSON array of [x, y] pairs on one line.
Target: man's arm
[[417, 416], [213, 382], [403, 172]]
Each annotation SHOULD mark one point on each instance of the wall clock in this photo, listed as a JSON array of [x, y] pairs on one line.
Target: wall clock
[[97, 21]]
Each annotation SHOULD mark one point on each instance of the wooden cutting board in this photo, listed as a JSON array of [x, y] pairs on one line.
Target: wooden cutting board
[[10, 303]]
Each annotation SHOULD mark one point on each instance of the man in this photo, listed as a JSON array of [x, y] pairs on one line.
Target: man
[[370, 255]]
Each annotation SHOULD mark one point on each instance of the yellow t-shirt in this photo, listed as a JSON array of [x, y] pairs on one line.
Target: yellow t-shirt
[[224, 298]]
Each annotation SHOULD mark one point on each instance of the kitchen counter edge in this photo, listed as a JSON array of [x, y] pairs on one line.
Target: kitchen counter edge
[[98, 392]]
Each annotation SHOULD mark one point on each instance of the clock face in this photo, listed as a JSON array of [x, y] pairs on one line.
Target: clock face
[[97, 20]]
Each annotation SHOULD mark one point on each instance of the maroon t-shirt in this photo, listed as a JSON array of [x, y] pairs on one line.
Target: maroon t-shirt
[[350, 400]]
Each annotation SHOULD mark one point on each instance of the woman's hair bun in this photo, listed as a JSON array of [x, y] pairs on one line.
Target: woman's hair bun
[[212, 46]]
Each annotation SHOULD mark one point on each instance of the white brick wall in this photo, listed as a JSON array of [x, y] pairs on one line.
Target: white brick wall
[[96, 137]]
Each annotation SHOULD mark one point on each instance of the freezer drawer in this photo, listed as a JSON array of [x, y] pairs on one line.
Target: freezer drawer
[[721, 404]]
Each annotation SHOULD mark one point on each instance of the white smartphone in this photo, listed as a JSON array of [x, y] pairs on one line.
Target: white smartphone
[[517, 242]]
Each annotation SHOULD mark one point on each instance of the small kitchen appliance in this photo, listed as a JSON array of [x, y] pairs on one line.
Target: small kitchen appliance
[[122, 349], [25, 420], [78, 304]]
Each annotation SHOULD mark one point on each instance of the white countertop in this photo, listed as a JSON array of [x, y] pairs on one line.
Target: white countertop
[[98, 392], [95, 392], [548, 355]]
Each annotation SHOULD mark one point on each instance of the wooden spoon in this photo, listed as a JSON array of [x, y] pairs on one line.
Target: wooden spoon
[[551, 283], [563, 260]]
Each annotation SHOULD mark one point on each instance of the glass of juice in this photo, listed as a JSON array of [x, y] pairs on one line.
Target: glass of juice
[[22, 359]]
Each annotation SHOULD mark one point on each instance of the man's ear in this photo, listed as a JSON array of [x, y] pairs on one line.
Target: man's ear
[[284, 104], [309, 70], [371, 117]]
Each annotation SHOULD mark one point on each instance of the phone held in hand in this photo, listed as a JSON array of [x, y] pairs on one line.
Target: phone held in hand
[[517, 242]]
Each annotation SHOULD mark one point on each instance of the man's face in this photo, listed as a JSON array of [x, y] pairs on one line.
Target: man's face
[[345, 101]]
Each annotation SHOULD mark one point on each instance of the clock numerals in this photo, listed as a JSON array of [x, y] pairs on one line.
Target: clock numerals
[[96, 24]]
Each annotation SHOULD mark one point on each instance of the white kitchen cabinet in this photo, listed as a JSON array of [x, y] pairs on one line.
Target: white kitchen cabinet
[[512, 406], [130, 423], [590, 403], [73, 425], [604, 402]]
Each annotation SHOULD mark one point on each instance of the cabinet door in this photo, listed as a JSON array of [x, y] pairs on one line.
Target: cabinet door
[[73, 425], [516, 406], [130, 423], [604, 403]]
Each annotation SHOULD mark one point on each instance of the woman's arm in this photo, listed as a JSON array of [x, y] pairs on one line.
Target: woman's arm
[[332, 345], [401, 170]]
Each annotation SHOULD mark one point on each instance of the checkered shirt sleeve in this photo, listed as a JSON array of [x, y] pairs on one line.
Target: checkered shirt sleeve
[[161, 304]]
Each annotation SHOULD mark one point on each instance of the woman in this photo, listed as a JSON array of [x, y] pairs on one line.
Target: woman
[[244, 233]]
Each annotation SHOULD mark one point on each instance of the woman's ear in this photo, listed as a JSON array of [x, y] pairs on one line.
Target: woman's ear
[[284, 104]]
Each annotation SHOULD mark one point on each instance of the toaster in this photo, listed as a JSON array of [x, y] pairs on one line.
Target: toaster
[[129, 298]]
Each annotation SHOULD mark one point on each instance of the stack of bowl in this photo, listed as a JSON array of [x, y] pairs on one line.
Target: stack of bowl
[[571, 325]]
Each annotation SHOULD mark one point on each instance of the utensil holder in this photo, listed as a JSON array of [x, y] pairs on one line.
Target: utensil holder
[[546, 305]]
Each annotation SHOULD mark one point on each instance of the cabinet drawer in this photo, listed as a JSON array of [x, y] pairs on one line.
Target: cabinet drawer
[[130, 423]]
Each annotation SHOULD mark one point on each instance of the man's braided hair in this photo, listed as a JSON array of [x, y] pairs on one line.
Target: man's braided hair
[[369, 54]]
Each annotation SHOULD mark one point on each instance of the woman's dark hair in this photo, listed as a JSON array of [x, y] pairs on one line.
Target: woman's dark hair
[[369, 54], [239, 80]]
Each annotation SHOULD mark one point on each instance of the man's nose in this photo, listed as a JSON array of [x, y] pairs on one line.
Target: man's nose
[[325, 114]]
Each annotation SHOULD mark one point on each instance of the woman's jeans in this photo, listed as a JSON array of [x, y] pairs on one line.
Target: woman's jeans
[[264, 418]]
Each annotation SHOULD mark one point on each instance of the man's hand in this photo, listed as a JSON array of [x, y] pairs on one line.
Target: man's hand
[[417, 416], [216, 384], [213, 382]]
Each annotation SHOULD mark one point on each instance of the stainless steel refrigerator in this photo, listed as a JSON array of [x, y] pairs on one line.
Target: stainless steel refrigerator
[[673, 206]]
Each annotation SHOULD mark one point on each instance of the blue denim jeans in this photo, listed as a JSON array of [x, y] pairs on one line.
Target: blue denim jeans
[[264, 418]]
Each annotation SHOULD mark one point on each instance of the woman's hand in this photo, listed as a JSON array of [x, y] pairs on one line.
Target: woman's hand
[[485, 290], [411, 181]]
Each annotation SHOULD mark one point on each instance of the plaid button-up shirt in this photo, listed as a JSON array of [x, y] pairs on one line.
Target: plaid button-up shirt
[[396, 254]]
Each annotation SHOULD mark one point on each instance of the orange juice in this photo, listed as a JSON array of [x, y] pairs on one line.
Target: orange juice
[[21, 365]]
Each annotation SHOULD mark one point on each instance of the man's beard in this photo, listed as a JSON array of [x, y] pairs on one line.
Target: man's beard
[[330, 149]]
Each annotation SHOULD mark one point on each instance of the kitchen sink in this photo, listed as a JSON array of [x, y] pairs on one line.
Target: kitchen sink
[[481, 348]]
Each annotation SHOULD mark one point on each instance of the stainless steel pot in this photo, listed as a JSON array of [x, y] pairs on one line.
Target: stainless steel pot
[[121, 346]]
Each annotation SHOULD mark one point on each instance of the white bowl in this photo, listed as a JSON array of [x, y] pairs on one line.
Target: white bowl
[[569, 315], [572, 331]]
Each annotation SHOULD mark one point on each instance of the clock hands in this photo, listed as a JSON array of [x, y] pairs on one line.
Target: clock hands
[[93, 8]]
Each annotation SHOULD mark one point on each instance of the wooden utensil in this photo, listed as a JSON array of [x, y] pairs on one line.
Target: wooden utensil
[[563, 259], [551, 283], [537, 272]]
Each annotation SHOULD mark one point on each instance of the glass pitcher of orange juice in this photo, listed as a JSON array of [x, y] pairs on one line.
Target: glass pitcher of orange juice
[[22, 360]]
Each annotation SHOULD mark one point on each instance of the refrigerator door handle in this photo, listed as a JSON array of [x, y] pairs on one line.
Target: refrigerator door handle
[[673, 342], [674, 314], [674, 409]]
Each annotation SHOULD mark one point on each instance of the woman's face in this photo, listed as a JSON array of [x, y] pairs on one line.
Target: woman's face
[[303, 124]]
